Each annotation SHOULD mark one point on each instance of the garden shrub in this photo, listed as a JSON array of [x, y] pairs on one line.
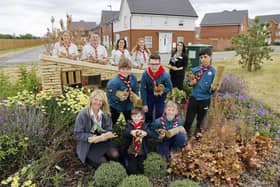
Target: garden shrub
[[184, 183], [22, 177], [176, 95], [155, 165], [253, 113], [109, 174], [223, 153], [232, 84], [28, 80], [119, 128], [135, 181], [27, 121], [13, 148], [6, 87]]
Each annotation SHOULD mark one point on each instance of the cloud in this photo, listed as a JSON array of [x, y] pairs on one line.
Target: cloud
[[33, 16]]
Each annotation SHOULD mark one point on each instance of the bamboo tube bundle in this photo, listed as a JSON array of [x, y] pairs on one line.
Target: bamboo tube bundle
[[172, 132], [218, 78]]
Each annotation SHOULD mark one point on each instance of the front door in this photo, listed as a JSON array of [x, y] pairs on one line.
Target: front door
[[165, 42]]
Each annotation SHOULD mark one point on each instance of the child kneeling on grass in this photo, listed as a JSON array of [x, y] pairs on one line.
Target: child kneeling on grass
[[136, 133], [169, 130]]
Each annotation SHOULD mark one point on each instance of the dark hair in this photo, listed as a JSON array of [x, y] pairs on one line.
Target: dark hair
[[137, 110], [117, 46], [125, 63], [184, 47], [155, 56], [205, 51]]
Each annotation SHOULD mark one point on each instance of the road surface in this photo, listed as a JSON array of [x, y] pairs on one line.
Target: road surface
[[27, 56], [31, 56]]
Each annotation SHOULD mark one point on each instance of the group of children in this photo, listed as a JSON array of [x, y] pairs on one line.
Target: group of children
[[154, 119]]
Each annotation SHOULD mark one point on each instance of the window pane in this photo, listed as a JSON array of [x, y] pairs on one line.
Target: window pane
[[149, 41], [180, 39]]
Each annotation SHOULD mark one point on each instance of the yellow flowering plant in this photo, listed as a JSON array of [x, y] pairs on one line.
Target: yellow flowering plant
[[22, 178]]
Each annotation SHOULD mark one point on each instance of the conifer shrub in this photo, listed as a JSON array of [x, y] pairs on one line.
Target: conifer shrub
[[154, 165], [109, 174], [136, 181]]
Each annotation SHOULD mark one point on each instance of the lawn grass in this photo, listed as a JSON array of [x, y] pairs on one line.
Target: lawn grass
[[264, 84]]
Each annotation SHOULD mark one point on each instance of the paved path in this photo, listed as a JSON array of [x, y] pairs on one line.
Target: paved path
[[27, 56]]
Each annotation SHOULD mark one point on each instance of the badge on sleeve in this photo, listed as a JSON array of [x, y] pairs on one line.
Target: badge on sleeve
[[209, 73]]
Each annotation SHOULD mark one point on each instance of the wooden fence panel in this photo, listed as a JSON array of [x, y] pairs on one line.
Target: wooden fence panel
[[19, 43]]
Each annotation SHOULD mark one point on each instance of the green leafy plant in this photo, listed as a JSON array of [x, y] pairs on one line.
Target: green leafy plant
[[109, 174], [118, 128], [252, 46], [57, 179], [6, 87], [154, 165], [28, 80], [13, 148], [135, 181], [184, 183], [22, 178], [176, 95]]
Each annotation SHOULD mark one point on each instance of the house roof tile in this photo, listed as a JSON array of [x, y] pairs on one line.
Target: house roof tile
[[162, 7], [226, 17]]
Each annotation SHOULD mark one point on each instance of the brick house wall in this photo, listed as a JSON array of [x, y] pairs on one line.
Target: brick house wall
[[218, 45], [107, 30], [224, 31], [189, 36], [215, 32], [275, 32]]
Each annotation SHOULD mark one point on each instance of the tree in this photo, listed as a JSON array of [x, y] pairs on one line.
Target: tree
[[252, 46]]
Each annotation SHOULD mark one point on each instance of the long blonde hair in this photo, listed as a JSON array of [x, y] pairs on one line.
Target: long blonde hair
[[105, 106], [136, 48]]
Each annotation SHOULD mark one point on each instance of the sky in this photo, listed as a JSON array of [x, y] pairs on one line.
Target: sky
[[33, 16]]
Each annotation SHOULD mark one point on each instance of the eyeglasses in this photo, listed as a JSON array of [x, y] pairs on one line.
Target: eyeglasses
[[203, 56], [154, 64]]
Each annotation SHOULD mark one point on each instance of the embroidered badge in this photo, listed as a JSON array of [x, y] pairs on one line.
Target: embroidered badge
[[209, 73]]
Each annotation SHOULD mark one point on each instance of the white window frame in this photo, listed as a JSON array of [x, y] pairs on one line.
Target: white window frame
[[180, 39], [181, 23], [149, 41], [125, 21]]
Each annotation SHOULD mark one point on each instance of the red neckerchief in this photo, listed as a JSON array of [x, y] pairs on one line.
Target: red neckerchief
[[96, 54], [202, 70], [126, 81], [66, 46], [143, 53], [95, 50], [163, 122], [155, 76], [136, 140]]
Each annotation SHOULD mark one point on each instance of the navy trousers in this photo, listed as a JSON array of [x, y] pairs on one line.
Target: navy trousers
[[171, 144], [157, 103]]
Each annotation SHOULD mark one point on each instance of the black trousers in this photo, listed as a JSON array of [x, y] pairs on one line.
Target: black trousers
[[115, 115], [135, 164], [198, 108]]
